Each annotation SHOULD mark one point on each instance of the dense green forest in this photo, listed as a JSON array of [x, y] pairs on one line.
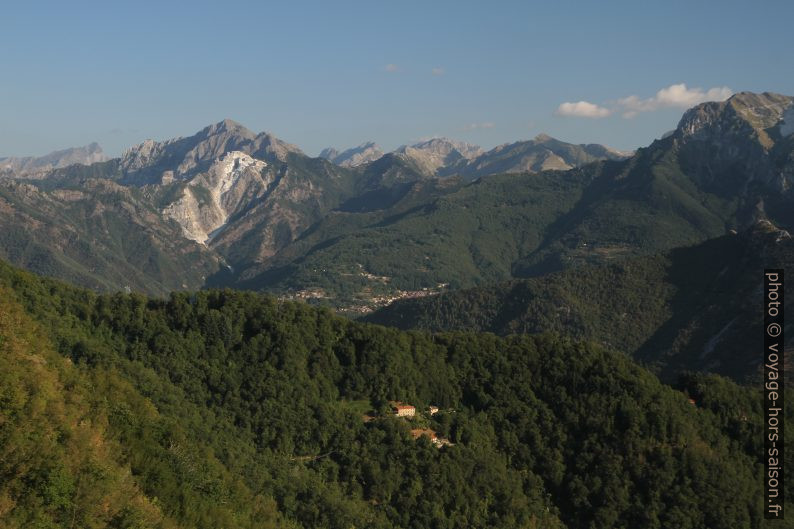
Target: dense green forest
[[231, 409], [693, 308]]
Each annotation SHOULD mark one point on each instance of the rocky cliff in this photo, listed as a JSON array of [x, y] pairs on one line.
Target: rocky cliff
[[740, 144]]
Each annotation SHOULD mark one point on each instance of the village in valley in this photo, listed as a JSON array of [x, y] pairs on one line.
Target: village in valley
[[375, 294]]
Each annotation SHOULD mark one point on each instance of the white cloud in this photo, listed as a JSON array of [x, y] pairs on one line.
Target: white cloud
[[438, 71], [391, 68], [674, 96], [582, 109], [678, 95], [475, 126]]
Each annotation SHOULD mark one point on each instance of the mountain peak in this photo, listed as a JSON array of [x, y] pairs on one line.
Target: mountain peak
[[766, 116], [442, 143], [153, 161], [543, 138], [735, 146], [758, 99], [229, 123], [228, 126]]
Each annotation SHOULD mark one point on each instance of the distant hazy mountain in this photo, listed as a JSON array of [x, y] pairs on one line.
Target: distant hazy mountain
[[31, 166], [539, 154], [353, 157], [446, 157], [440, 156]]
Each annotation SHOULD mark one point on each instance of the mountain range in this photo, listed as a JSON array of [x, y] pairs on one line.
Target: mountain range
[[446, 157], [221, 200], [522, 225], [228, 207]]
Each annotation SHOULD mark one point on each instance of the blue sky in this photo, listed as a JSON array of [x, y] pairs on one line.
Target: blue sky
[[340, 73]]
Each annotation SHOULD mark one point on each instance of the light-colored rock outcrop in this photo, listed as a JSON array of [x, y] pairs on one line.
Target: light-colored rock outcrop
[[230, 185]]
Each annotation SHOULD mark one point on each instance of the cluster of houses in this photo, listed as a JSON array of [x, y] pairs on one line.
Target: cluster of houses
[[375, 302], [409, 411], [305, 295]]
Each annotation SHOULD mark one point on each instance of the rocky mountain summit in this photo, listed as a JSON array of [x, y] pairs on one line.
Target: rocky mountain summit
[[153, 162], [31, 166], [741, 144]]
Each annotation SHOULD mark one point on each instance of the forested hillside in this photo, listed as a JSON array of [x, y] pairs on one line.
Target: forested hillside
[[229, 409], [693, 308]]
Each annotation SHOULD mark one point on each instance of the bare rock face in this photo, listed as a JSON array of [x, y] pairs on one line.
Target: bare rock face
[[232, 183], [292, 202], [32, 167], [182, 158]]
